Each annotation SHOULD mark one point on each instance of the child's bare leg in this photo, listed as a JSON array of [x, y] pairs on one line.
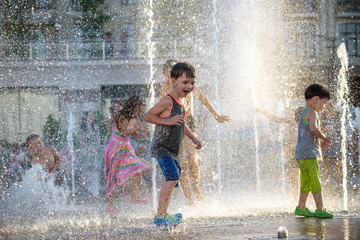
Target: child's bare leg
[[165, 197], [295, 176], [195, 172], [302, 199], [184, 178], [136, 186], [168, 203], [110, 202], [318, 201]]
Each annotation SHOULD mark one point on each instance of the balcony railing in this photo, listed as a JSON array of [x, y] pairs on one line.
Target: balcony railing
[[92, 50]]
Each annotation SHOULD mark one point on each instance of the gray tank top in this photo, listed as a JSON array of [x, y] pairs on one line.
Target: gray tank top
[[167, 140], [308, 146]]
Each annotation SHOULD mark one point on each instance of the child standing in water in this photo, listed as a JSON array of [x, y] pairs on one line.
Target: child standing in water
[[169, 115], [121, 163], [188, 155], [308, 151]]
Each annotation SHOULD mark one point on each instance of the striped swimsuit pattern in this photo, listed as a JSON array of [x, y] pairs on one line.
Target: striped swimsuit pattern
[[120, 162]]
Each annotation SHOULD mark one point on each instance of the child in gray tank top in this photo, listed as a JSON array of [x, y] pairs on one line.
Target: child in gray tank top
[[169, 115], [308, 151]]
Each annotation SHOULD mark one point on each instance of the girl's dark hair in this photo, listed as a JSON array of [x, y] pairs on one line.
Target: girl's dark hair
[[316, 90], [30, 138], [168, 65], [84, 121], [183, 67], [127, 113]]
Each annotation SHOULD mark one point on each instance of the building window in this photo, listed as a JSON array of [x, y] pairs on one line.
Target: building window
[[20, 117], [302, 39], [350, 34], [302, 6], [348, 5]]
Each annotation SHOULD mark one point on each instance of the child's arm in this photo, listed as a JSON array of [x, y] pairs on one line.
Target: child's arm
[[57, 159], [161, 108], [313, 128], [188, 133], [273, 117], [204, 100]]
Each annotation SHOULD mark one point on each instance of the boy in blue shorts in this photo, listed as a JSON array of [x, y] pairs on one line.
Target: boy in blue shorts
[[169, 115], [308, 151]]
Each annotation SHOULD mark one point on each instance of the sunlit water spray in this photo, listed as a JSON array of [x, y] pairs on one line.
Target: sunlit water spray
[[72, 152], [217, 98], [37, 191], [150, 61], [281, 142], [342, 101]]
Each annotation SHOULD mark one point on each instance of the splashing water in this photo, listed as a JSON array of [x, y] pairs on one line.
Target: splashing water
[[217, 98], [72, 152], [281, 142], [342, 101], [150, 61], [36, 192]]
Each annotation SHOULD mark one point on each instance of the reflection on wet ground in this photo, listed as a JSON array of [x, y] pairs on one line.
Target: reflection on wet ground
[[93, 223]]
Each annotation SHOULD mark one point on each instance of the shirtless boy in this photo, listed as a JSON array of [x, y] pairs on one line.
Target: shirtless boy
[[48, 157]]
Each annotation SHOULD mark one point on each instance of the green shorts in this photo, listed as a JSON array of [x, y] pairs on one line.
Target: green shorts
[[309, 175]]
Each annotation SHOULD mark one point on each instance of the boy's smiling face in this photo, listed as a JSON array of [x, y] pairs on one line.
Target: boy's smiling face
[[36, 145], [183, 85]]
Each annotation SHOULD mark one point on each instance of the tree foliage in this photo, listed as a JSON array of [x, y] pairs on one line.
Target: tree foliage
[[52, 133], [93, 17]]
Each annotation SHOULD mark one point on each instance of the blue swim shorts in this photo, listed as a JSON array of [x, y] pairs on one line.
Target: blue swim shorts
[[170, 168]]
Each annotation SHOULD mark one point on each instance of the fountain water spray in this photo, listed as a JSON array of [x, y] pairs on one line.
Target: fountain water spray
[[71, 148], [150, 61], [281, 142], [342, 101], [217, 98]]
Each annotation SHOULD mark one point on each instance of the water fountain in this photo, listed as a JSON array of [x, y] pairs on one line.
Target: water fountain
[[151, 82], [242, 163]]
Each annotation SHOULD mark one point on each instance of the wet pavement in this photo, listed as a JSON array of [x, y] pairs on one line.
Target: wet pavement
[[93, 223]]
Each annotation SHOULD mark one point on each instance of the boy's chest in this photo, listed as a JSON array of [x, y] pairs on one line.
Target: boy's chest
[[44, 157]]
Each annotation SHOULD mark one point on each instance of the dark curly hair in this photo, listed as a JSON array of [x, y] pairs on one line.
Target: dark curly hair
[[127, 113]]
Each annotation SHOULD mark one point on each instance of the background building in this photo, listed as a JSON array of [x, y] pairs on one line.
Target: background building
[[67, 56]]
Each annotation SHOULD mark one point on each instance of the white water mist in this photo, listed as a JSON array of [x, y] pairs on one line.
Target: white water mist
[[151, 82], [342, 101]]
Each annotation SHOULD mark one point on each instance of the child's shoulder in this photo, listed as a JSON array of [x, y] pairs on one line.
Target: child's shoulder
[[51, 149]]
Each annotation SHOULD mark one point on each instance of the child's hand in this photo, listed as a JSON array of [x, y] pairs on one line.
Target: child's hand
[[328, 128], [222, 119], [325, 144], [197, 143], [176, 120], [144, 128]]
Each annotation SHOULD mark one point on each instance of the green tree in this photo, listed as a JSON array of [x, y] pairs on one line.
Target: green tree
[[99, 122], [53, 136], [93, 17]]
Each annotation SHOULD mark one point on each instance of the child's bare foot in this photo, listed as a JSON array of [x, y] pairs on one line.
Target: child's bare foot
[[201, 198]]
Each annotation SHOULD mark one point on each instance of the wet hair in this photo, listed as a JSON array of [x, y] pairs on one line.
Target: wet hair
[[84, 120], [317, 89], [119, 102], [168, 65], [126, 114], [30, 138], [183, 67]]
